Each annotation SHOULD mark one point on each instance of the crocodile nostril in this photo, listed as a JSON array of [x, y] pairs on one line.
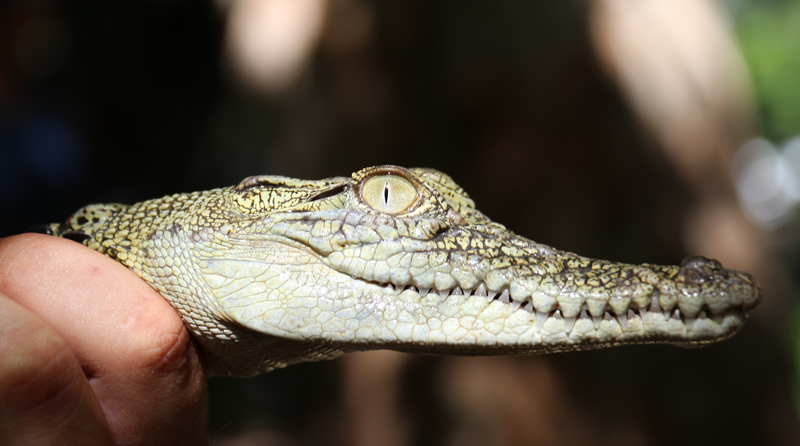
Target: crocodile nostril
[[701, 264]]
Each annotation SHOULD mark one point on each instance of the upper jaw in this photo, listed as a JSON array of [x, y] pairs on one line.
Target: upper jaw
[[509, 267]]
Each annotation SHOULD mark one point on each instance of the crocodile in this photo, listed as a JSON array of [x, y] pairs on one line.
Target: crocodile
[[277, 271]]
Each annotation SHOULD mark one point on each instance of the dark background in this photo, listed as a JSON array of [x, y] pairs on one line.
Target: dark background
[[125, 101]]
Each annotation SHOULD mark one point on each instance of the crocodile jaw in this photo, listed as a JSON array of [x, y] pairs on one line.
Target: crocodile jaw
[[403, 294], [503, 311]]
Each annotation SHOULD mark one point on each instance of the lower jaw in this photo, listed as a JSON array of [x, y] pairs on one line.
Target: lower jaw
[[644, 326], [653, 322]]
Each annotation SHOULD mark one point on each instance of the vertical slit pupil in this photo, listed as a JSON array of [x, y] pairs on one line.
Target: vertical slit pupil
[[386, 193]]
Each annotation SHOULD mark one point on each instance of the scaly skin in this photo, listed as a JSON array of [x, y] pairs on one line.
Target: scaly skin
[[277, 271]]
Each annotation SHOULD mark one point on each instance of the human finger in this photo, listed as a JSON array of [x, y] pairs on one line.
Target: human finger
[[44, 396], [130, 343]]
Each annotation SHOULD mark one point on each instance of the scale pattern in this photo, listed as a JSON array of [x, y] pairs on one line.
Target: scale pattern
[[277, 270]]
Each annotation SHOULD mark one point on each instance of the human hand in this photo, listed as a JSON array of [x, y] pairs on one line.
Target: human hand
[[90, 354]]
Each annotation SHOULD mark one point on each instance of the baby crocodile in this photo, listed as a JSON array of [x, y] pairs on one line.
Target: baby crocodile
[[276, 271]]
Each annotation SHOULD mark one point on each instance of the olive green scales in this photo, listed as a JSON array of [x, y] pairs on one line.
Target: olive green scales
[[278, 270]]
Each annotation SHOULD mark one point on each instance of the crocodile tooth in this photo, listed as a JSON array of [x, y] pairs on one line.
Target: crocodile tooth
[[607, 316], [481, 290], [597, 320], [676, 315], [400, 288], [623, 321], [557, 315], [569, 322], [515, 305], [444, 294], [702, 315], [504, 297], [424, 291], [528, 307], [631, 314], [467, 292], [584, 315], [491, 294], [689, 323], [655, 307], [540, 318], [413, 288], [457, 292]]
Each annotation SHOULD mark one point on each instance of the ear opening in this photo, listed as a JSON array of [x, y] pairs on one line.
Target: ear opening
[[328, 193]]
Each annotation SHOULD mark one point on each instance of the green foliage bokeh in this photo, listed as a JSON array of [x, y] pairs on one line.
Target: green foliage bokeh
[[769, 34]]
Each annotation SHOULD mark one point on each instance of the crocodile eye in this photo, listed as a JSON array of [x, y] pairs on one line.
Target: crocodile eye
[[390, 194]]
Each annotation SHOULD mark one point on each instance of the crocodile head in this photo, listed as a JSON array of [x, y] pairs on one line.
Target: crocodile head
[[277, 270]]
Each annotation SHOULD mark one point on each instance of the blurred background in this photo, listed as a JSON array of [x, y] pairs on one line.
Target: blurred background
[[629, 130]]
